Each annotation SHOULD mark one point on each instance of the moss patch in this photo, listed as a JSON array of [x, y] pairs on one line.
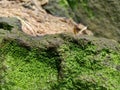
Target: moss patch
[[28, 69], [85, 68], [72, 65]]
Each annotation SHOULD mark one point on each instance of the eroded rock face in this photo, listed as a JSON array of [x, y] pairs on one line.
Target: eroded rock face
[[11, 28], [102, 17], [36, 22]]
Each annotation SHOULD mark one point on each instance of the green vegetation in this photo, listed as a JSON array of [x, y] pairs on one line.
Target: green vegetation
[[70, 66], [64, 3], [28, 69], [88, 10], [88, 69], [77, 4]]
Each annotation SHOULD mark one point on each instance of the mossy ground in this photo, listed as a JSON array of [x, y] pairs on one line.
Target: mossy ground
[[68, 67]]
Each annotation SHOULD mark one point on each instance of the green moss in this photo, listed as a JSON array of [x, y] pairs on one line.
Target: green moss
[[64, 3], [28, 69], [76, 4], [87, 9], [71, 66], [87, 68]]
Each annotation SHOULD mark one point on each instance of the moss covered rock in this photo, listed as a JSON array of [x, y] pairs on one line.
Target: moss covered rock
[[59, 5], [58, 62], [102, 17]]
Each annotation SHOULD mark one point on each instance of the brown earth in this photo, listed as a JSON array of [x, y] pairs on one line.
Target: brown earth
[[35, 20]]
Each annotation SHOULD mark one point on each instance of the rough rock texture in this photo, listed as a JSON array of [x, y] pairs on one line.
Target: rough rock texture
[[34, 22], [57, 62], [59, 8], [10, 24], [101, 16]]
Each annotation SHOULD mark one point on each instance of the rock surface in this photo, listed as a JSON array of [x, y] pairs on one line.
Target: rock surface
[[35, 60], [56, 62], [35, 20], [102, 17]]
